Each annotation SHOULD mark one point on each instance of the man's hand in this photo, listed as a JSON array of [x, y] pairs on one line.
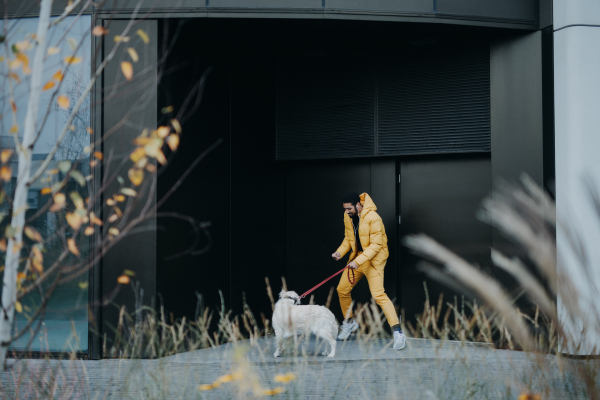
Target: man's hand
[[336, 256], [353, 265]]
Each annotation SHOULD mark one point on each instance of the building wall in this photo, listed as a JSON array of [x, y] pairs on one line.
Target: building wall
[[577, 95]]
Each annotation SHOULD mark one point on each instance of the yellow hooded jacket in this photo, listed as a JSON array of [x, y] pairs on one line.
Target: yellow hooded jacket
[[371, 233]]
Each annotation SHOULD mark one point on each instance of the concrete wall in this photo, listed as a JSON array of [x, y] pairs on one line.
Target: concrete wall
[[577, 97]]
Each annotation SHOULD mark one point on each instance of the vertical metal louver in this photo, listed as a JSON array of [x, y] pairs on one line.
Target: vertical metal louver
[[434, 99], [325, 107]]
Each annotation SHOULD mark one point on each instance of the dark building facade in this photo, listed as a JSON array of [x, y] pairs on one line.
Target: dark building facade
[[422, 104]]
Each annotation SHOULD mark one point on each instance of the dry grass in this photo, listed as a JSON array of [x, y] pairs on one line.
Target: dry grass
[[533, 365]]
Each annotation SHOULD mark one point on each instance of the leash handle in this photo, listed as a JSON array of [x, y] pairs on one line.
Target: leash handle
[[332, 276]]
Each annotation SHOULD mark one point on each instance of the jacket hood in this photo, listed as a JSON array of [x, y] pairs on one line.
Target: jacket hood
[[367, 204]]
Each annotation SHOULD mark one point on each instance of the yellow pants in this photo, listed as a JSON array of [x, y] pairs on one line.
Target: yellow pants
[[375, 279]]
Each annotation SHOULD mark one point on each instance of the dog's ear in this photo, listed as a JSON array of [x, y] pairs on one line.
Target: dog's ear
[[282, 293]]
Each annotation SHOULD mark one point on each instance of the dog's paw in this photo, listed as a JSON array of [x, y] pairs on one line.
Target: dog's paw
[[331, 355], [325, 353]]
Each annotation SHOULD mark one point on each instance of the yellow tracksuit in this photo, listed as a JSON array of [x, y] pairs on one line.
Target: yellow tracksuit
[[371, 261]]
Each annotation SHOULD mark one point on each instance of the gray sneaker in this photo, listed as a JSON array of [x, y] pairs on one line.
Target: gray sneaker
[[347, 329], [399, 340]]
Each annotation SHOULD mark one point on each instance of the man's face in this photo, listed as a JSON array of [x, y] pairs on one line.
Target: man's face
[[349, 209]]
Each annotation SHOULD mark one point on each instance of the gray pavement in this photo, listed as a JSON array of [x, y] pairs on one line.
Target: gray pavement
[[426, 369]]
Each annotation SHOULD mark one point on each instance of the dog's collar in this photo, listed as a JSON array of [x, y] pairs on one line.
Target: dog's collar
[[292, 298]]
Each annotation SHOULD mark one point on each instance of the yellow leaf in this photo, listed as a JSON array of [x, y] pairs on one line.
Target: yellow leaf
[[37, 264], [72, 43], [89, 130], [5, 174], [160, 157], [119, 38], [120, 198], [21, 276], [15, 77], [63, 102], [58, 75], [225, 378], [143, 35], [14, 64], [72, 128], [3, 244], [136, 176], [77, 200], [99, 31], [173, 142], [128, 192], [37, 253], [111, 202], [129, 272], [133, 54], [46, 190], [60, 198], [13, 106], [151, 168], [206, 387], [72, 246], [5, 155], [88, 231], [52, 171], [83, 285], [49, 85], [74, 220], [271, 392], [18, 307], [166, 110], [163, 131], [53, 50], [123, 280], [113, 231], [127, 69], [14, 129], [113, 218], [137, 154], [176, 125], [95, 219], [73, 60], [17, 247], [32, 234]]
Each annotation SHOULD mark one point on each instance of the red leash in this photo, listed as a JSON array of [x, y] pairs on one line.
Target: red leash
[[336, 274]]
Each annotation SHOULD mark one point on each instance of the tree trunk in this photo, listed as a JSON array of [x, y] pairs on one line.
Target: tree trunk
[[13, 251]]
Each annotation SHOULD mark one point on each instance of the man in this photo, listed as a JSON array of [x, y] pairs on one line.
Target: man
[[365, 236]]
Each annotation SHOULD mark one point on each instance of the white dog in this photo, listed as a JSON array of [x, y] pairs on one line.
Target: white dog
[[291, 319]]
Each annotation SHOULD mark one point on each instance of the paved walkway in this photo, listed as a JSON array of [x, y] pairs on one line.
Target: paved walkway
[[424, 370]]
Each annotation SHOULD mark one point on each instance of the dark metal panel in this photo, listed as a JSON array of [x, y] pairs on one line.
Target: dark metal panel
[[516, 101], [546, 17], [258, 184], [325, 106], [434, 98], [95, 290], [382, 5], [315, 224], [439, 197], [205, 194], [517, 118], [128, 107], [383, 192], [509, 9], [548, 107]]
